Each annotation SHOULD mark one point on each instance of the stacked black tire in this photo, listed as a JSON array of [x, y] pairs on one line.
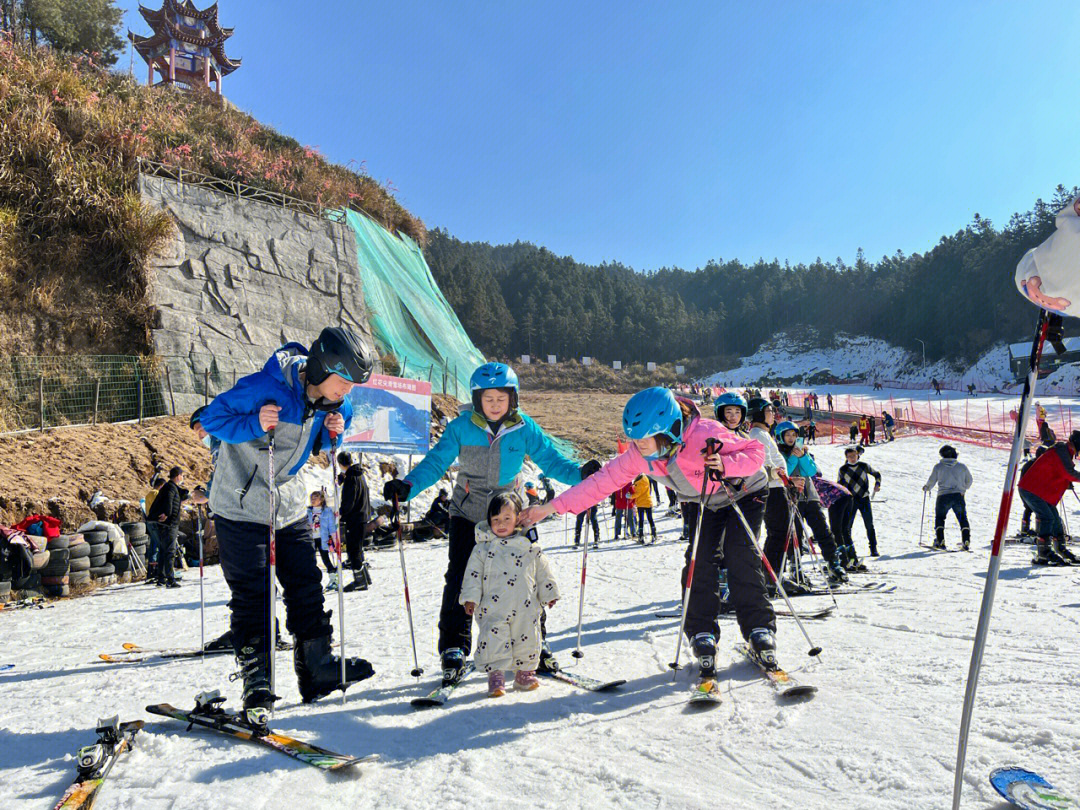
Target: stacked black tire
[[79, 551], [54, 574], [100, 548], [138, 541]]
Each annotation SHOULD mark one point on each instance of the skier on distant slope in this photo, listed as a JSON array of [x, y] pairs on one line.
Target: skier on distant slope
[[668, 444], [952, 479], [490, 441], [1041, 489], [302, 397]]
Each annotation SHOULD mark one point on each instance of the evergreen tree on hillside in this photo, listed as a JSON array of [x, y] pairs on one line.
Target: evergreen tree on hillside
[[72, 26]]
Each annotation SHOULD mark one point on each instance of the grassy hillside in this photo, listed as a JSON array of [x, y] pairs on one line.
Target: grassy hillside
[[73, 231]]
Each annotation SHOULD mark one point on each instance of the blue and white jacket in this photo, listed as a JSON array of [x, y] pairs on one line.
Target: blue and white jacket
[[241, 486], [489, 463]]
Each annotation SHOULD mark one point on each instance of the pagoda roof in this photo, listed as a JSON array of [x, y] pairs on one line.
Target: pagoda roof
[[164, 28]]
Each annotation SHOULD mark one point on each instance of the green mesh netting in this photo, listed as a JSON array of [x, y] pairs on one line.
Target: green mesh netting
[[409, 314]]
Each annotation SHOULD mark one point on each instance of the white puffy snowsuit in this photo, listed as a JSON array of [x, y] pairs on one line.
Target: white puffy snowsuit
[[509, 579]]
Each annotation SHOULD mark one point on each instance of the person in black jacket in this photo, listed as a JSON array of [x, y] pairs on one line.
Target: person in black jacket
[[354, 510], [855, 476], [165, 511], [439, 513]]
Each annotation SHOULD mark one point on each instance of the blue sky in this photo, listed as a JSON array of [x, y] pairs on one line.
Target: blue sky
[[668, 134]]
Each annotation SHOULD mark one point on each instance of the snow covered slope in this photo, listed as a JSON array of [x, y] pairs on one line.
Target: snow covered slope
[[879, 735], [868, 359]]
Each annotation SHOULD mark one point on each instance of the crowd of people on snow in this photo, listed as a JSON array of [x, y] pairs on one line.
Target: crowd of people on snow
[[742, 470]]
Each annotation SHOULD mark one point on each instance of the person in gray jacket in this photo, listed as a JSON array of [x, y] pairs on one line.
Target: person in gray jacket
[[953, 479], [299, 398]]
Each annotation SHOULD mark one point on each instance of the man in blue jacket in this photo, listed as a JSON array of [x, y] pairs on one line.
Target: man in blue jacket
[[490, 441], [302, 397]]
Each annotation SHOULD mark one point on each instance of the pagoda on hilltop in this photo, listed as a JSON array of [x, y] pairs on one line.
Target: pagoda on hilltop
[[187, 47]]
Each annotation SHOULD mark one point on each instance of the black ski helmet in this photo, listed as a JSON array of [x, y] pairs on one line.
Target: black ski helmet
[[755, 409], [947, 451], [338, 351]]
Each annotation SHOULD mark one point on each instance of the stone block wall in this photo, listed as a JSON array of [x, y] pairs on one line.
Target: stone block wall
[[238, 279]]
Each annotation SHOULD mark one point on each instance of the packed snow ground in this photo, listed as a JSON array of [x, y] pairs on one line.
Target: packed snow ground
[[881, 732]]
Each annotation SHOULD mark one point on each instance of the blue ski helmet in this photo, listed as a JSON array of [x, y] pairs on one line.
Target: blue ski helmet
[[729, 398], [783, 428], [494, 375], [651, 412]]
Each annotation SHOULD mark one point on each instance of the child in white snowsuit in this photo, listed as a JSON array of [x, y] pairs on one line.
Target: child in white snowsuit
[[507, 582]]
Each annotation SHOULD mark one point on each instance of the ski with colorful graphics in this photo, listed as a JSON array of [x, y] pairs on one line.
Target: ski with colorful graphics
[[1029, 791], [209, 715], [705, 692], [95, 761], [582, 681], [784, 684], [443, 693]]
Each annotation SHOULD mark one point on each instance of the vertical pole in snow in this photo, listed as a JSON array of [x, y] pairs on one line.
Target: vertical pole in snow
[[340, 567], [577, 653], [989, 424], [272, 556], [202, 597], [206, 386], [995, 554]]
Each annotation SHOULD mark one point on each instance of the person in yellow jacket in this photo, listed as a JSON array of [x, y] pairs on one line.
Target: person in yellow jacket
[[643, 500]]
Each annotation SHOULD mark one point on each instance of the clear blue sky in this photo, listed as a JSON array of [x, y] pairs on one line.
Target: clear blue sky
[[668, 134]]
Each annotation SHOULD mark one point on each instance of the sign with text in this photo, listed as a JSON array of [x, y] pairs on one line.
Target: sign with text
[[390, 415]]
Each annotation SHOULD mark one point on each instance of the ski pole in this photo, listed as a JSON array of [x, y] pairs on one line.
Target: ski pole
[[417, 670], [577, 653], [340, 568], [807, 534], [202, 598], [922, 520], [272, 554], [690, 570], [814, 650]]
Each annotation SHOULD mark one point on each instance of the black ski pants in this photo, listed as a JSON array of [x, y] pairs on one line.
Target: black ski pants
[[863, 507], [777, 523], [723, 538], [243, 548], [595, 526], [954, 502], [167, 537], [840, 517], [354, 544], [815, 519]]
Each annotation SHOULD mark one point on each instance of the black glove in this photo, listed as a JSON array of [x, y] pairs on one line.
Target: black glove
[[589, 467], [395, 487]]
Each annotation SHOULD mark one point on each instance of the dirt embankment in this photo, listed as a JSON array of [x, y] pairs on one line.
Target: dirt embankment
[[57, 472], [592, 421]]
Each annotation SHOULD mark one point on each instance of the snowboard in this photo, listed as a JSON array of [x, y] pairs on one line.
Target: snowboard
[[209, 715], [1028, 790]]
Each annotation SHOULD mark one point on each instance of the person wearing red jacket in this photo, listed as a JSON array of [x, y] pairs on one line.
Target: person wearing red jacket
[[1041, 489], [624, 509]]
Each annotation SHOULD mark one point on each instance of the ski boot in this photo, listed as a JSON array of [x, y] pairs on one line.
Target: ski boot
[[854, 564], [222, 642], [1045, 554], [1058, 545], [653, 538], [453, 662], [763, 643], [548, 662], [704, 647], [254, 663], [965, 539], [873, 550], [939, 538], [331, 582], [361, 578], [835, 574], [318, 671]]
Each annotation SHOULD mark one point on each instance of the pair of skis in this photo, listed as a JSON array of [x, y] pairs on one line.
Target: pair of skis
[[824, 613], [707, 692], [134, 654], [442, 694]]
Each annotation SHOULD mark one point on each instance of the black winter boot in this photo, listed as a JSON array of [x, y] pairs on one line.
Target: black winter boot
[[763, 643], [965, 539], [361, 578], [1058, 546], [1045, 554], [318, 671], [453, 662], [548, 662], [254, 661]]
